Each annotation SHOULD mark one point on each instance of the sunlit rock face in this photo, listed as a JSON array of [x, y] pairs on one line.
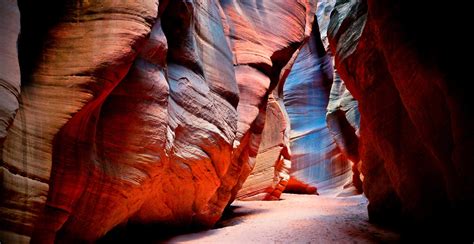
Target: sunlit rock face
[[416, 125], [263, 57], [138, 112], [342, 117], [316, 159], [270, 174]]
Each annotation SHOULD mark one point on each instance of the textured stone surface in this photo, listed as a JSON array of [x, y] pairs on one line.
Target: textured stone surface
[[416, 124], [267, 53], [140, 112], [343, 121], [316, 159], [70, 61], [13, 185], [317, 162], [323, 15], [9, 68], [271, 171]]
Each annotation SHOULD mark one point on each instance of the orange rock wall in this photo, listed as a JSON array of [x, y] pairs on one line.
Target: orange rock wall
[[138, 112]]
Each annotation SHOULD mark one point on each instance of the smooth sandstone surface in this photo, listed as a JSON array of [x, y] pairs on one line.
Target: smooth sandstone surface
[[275, 67], [270, 174], [10, 68], [138, 112], [164, 112], [416, 124], [343, 121], [13, 185], [316, 159]]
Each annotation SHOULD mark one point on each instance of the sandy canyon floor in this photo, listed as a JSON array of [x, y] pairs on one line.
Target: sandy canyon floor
[[295, 219]]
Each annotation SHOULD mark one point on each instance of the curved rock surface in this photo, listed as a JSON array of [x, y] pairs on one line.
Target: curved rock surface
[[140, 112], [343, 121], [316, 159], [270, 174], [323, 16], [416, 127], [263, 57], [9, 68], [9, 103], [343, 118]]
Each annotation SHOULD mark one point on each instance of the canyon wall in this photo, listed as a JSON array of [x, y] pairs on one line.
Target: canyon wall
[[9, 103], [316, 159], [146, 112], [270, 174], [416, 122], [343, 121], [317, 152], [9, 68], [156, 112], [264, 57]]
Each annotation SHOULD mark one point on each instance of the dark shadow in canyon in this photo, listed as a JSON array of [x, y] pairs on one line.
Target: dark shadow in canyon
[[142, 233], [153, 233], [234, 215]]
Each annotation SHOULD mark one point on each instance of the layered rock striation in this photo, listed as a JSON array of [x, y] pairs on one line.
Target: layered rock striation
[[416, 125], [316, 159], [138, 112], [270, 174]]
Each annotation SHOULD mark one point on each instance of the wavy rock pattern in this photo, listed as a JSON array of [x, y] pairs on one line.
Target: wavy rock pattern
[[317, 162], [416, 127], [343, 121], [270, 174], [343, 116], [140, 112], [82, 58], [270, 55], [14, 201], [323, 15], [316, 159], [10, 69]]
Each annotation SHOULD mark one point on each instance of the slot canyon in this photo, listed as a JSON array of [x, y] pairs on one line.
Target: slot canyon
[[235, 121]]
